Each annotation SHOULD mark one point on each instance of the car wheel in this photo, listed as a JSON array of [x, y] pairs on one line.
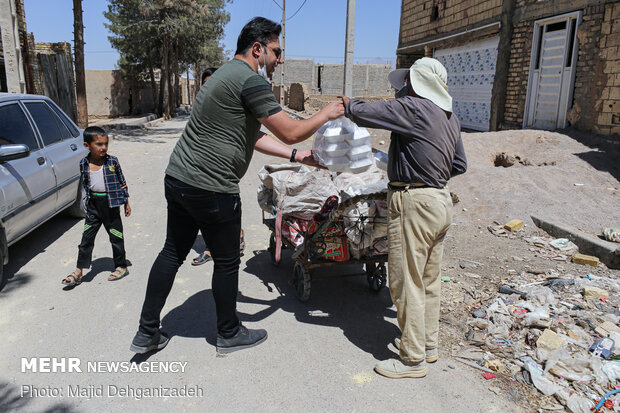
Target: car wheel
[[75, 210]]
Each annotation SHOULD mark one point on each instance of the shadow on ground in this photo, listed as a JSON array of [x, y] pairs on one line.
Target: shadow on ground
[[35, 243], [336, 301], [140, 135], [343, 302], [11, 400], [605, 156]]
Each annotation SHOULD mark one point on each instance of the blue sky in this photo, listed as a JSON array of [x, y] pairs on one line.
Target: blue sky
[[317, 31]]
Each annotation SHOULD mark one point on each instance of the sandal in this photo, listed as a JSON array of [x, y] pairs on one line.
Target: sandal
[[72, 280], [118, 274], [241, 243], [202, 258]]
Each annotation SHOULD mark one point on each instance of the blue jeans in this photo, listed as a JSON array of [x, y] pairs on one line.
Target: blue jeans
[[218, 217]]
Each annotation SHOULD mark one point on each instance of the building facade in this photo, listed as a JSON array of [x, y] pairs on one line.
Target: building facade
[[522, 63]]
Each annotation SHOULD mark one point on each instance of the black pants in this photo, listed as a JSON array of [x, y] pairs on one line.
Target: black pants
[[98, 212], [218, 217]]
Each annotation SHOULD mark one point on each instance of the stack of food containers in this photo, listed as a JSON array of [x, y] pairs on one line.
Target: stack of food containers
[[342, 146]]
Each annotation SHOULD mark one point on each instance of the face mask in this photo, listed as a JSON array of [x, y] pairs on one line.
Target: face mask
[[403, 91], [262, 71]]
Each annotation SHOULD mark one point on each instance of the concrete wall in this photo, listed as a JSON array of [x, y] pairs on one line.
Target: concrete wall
[[109, 95], [328, 79]]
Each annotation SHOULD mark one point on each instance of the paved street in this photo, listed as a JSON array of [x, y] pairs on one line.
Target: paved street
[[318, 357]]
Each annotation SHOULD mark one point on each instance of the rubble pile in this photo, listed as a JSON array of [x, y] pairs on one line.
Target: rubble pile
[[554, 330]]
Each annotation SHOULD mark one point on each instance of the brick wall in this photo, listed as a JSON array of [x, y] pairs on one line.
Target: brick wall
[[427, 19], [596, 97]]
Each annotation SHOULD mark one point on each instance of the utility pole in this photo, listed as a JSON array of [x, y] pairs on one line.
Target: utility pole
[[283, 61], [80, 76], [348, 49], [13, 62]]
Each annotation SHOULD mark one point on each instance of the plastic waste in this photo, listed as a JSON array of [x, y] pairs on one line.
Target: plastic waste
[[563, 244], [546, 386], [539, 314], [381, 159], [612, 370]]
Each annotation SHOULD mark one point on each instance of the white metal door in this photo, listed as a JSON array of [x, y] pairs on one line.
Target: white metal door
[[471, 71], [551, 72]]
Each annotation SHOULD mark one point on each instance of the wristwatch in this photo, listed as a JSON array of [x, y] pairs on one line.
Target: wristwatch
[[293, 155]]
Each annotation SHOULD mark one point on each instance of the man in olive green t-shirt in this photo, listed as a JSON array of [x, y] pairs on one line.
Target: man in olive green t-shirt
[[202, 179]]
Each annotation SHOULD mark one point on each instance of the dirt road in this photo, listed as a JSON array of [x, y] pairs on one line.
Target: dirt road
[[319, 355]]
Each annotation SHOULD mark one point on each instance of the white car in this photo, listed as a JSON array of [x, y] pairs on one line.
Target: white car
[[40, 152]]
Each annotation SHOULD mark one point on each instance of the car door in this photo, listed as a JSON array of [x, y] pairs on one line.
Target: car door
[[28, 184], [60, 148]]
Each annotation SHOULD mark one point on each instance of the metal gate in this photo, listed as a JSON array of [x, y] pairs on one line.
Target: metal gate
[[471, 71], [552, 74]]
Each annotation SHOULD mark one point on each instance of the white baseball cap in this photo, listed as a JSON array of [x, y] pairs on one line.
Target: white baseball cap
[[428, 79]]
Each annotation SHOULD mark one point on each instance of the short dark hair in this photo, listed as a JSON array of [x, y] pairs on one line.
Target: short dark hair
[[93, 131], [259, 29], [208, 72]]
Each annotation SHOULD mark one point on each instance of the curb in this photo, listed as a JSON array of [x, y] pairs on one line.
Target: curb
[[607, 252]]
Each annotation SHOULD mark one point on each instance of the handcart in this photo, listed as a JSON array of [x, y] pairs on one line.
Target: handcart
[[310, 254]]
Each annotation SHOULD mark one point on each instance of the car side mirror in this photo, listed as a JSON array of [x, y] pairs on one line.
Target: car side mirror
[[10, 152]]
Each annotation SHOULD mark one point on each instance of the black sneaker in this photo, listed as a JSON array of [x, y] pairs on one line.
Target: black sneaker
[[143, 343], [243, 339]]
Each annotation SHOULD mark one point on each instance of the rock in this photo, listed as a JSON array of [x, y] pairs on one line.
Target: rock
[[495, 365], [594, 293], [479, 313], [550, 340], [462, 265], [471, 275], [298, 93], [583, 259], [606, 329], [513, 225]]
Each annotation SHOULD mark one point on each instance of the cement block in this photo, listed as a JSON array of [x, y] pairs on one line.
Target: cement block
[[607, 252], [550, 340], [583, 259], [595, 293]]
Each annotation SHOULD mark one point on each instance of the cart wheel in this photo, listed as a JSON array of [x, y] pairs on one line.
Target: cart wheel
[[301, 281], [376, 276], [272, 250]]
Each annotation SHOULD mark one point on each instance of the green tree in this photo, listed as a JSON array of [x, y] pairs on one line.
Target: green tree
[[169, 35]]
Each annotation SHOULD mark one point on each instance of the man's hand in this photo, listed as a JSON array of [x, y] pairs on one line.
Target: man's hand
[[307, 158], [127, 209], [334, 110], [345, 100]]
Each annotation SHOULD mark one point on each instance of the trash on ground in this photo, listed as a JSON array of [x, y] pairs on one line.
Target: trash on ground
[[513, 225], [585, 260]]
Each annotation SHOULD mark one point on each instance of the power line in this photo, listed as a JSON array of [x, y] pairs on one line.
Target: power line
[[277, 4], [302, 5]]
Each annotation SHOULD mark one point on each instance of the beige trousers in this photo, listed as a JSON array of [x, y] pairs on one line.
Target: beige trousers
[[419, 219]]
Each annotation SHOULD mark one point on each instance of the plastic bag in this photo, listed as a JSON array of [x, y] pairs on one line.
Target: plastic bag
[[612, 370], [539, 314], [341, 146], [546, 386]]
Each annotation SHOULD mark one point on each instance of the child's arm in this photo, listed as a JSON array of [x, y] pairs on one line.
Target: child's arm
[[121, 178], [127, 209]]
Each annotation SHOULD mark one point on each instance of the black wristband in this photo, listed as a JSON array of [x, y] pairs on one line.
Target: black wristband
[[293, 155]]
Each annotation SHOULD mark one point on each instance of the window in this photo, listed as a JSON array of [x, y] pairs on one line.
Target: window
[[15, 128], [74, 131], [44, 121], [64, 132]]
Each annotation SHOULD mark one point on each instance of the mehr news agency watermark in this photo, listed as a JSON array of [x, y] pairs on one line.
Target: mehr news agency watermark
[[75, 365]]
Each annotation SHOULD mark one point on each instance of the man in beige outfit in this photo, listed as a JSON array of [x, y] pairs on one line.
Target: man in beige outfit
[[426, 150]]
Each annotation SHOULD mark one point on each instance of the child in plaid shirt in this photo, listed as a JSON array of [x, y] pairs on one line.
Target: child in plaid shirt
[[105, 191]]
